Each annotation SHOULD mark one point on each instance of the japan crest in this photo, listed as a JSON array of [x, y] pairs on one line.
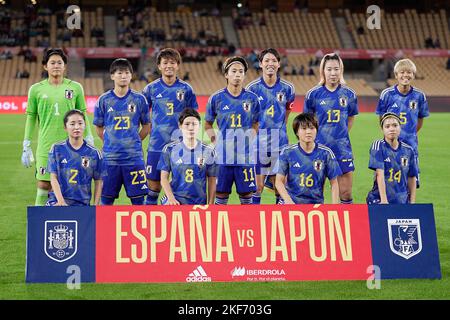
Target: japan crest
[[85, 162], [405, 239], [246, 105], [413, 104], [180, 95], [343, 101], [318, 165], [60, 240], [131, 107], [68, 94], [281, 96]]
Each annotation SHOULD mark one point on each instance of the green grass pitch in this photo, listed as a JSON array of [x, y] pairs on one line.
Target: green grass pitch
[[18, 187]]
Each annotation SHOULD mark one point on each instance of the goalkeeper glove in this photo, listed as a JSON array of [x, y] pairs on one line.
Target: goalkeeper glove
[[89, 139], [27, 154]]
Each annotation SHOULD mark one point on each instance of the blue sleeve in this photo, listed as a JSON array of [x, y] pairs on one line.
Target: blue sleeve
[[164, 161], [192, 100], [211, 166], [423, 107], [353, 106], [309, 104], [413, 166], [52, 165], [98, 168], [210, 115], [282, 166], [147, 94], [145, 111], [382, 105], [376, 160], [257, 111], [333, 168], [99, 113], [290, 99]]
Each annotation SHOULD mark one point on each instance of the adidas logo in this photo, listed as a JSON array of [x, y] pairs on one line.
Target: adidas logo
[[323, 102], [159, 96], [179, 161], [297, 165], [350, 165], [64, 160], [251, 184], [144, 187], [198, 275], [387, 159], [394, 105], [226, 107], [260, 98], [110, 109]]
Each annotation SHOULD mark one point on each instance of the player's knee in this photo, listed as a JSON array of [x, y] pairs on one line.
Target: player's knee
[[345, 194], [45, 185], [154, 185]]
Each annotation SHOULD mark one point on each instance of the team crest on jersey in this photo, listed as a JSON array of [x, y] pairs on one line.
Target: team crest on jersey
[[180, 95], [405, 239], [131, 107], [413, 104], [60, 239], [404, 161], [246, 105], [281, 96], [201, 162], [343, 101], [68, 94], [318, 165], [85, 162]]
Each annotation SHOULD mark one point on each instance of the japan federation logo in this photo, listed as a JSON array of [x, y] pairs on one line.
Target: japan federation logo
[[180, 95], [200, 162], [405, 238], [343, 101], [85, 162], [60, 240], [413, 104], [68, 94], [318, 165], [246, 106], [404, 161], [131, 107], [281, 96]]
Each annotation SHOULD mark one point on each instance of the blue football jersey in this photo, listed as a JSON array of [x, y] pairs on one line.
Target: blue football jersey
[[190, 170], [75, 169], [121, 118], [235, 117], [166, 104], [274, 101], [410, 107], [398, 165], [332, 110], [306, 172]]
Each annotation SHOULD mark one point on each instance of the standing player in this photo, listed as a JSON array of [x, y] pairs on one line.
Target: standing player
[[276, 97], [409, 103], [236, 111], [122, 121], [335, 105], [192, 164], [304, 166], [48, 102], [167, 96], [73, 164], [395, 165]]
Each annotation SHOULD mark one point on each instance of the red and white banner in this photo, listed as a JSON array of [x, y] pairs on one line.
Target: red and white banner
[[232, 243]]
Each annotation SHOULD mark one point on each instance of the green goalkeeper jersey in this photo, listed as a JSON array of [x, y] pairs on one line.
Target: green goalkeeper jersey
[[50, 103]]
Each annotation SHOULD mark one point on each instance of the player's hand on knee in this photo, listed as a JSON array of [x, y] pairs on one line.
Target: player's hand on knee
[[172, 201], [61, 204], [27, 154]]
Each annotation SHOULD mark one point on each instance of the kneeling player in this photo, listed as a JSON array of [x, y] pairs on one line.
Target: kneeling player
[[122, 121], [304, 166], [73, 164], [192, 164], [395, 165]]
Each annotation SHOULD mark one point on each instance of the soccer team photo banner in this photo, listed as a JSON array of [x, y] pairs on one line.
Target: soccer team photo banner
[[136, 244]]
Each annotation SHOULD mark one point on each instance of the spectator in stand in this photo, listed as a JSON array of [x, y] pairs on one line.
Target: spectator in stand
[[448, 63]]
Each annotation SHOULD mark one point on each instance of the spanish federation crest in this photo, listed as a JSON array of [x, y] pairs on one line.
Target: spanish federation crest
[[180, 95], [404, 161], [60, 241], [281, 96], [85, 162], [405, 238], [131, 107], [68, 94], [343, 101], [413, 104], [246, 105], [318, 165]]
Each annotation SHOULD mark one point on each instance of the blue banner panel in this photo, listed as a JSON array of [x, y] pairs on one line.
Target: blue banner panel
[[404, 242], [59, 238]]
